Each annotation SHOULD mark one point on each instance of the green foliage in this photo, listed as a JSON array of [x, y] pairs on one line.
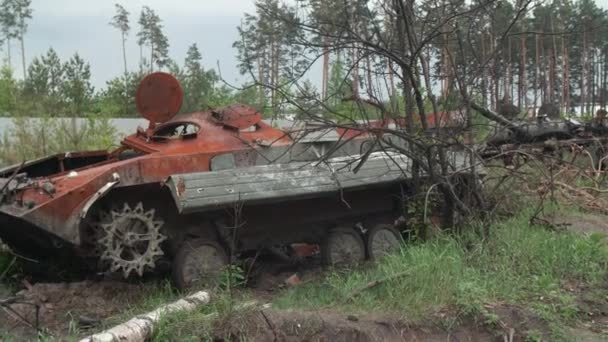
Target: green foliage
[[118, 99], [198, 325], [76, 85], [37, 137], [8, 91], [338, 86], [7, 266], [151, 34], [197, 83], [121, 19], [307, 101], [232, 277], [519, 264]]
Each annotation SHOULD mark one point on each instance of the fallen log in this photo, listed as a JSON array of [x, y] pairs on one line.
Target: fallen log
[[140, 328]]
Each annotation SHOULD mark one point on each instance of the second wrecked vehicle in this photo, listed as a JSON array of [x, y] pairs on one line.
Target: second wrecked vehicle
[[194, 188]]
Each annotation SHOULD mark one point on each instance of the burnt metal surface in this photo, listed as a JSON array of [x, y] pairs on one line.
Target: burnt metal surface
[[237, 116], [159, 97], [209, 160], [277, 182]]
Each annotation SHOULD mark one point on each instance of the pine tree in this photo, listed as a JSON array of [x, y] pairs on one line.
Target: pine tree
[[151, 35], [121, 22], [76, 88], [198, 84], [267, 49], [8, 24]]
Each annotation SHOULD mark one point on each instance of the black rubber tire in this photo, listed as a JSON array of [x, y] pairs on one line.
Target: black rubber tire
[[373, 234], [180, 263], [328, 246]]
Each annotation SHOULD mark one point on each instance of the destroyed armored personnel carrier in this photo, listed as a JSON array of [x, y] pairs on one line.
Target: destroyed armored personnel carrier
[[193, 189], [544, 134]]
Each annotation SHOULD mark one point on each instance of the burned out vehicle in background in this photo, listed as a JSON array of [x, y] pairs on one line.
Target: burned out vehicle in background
[[546, 133], [193, 189]]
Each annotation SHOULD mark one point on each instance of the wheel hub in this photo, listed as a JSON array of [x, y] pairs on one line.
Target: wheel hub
[[130, 239]]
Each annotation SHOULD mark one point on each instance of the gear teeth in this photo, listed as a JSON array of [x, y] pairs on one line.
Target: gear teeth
[[139, 208], [150, 214], [111, 247]]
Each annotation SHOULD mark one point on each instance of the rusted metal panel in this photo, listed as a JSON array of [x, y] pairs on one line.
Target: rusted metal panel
[[159, 97], [237, 116], [201, 191]]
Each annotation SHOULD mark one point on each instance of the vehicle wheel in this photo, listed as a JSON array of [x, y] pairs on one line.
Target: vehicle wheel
[[198, 263], [342, 247], [381, 240]]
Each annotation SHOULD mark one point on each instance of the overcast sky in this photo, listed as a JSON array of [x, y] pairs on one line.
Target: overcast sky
[[81, 26]]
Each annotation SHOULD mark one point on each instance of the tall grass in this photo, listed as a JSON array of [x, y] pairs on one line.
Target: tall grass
[[519, 264], [41, 136]]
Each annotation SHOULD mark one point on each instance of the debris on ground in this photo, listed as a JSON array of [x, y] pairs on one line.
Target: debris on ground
[[140, 328], [62, 305]]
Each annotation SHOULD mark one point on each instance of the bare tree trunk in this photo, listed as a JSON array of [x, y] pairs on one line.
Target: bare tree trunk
[[429, 87], [604, 80], [544, 74], [593, 83], [260, 81], [355, 59], [495, 73], [273, 75], [445, 65], [124, 58], [370, 85], [583, 99], [484, 74], [277, 77], [325, 73], [23, 56], [522, 98], [562, 102], [567, 79], [508, 91], [141, 58], [151, 56], [8, 52], [355, 79], [536, 72], [392, 91], [552, 78]]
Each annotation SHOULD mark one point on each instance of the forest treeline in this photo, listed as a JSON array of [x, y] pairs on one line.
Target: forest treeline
[[51, 87], [554, 52]]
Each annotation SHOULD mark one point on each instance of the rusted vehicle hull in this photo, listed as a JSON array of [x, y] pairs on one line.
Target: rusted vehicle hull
[[194, 189]]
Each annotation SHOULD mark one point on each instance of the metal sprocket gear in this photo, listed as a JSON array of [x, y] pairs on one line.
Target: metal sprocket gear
[[130, 239]]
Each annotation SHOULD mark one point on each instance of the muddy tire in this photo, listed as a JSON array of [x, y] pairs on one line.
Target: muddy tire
[[342, 247], [381, 240], [198, 263]]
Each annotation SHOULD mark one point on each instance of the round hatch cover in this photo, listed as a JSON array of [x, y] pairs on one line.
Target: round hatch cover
[[159, 97]]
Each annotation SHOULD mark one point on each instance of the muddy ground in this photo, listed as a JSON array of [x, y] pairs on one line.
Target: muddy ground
[[513, 323], [84, 307]]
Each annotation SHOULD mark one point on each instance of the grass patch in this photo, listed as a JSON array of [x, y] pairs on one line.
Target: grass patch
[[519, 264], [197, 325], [7, 268]]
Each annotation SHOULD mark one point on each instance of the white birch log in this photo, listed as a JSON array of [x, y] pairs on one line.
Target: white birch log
[[140, 328]]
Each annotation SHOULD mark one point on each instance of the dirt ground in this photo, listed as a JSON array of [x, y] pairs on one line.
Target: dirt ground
[[514, 324], [86, 304], [64, 306], [579, 223]]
